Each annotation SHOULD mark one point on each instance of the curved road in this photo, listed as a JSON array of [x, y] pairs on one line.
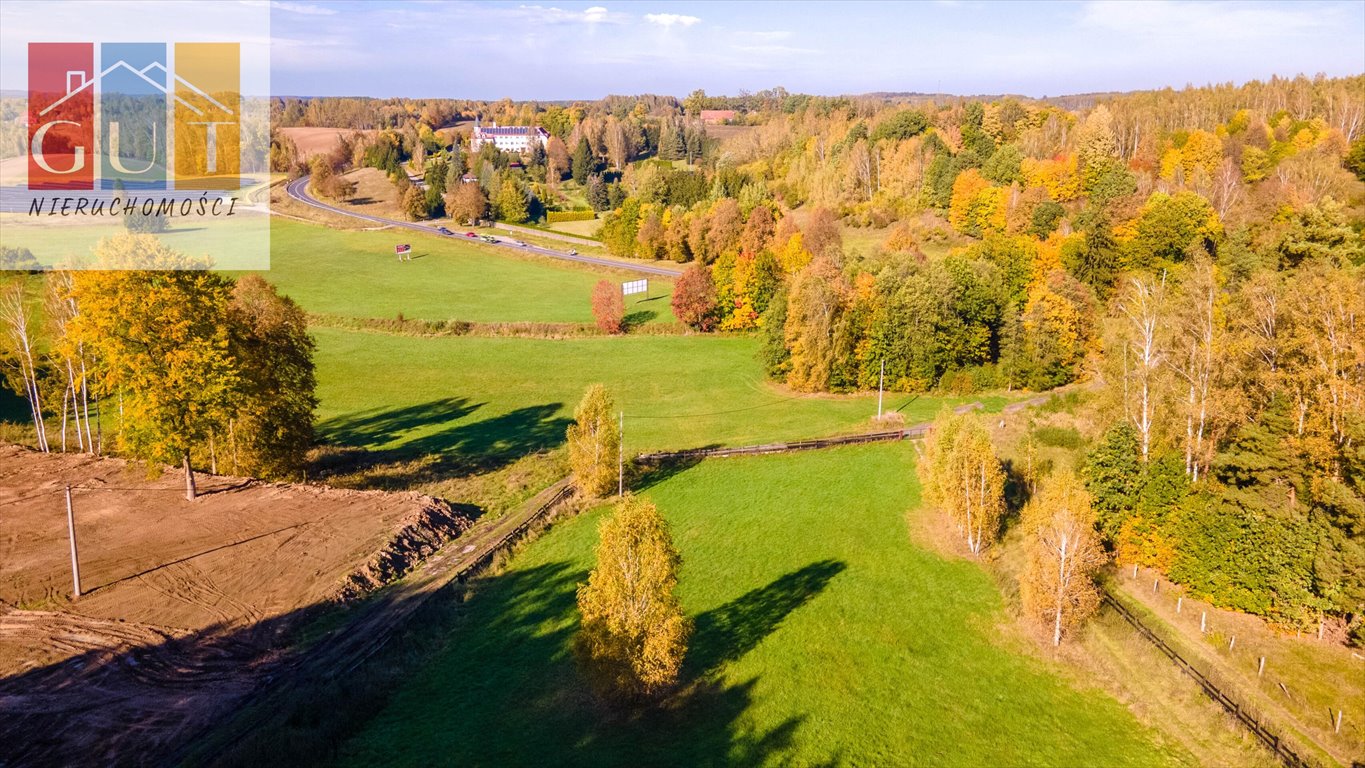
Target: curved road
[[298, 189]]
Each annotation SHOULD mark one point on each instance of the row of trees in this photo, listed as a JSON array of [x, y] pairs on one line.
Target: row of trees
[[192, 367], [963, 478], [633, 634], [1236, 467]]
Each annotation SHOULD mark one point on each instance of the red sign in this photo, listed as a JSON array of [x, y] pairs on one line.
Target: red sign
[[61, 115], [400, 249]]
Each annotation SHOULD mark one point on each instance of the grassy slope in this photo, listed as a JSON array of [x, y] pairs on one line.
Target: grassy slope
[[823, 635], [508, 396], [357, 274]]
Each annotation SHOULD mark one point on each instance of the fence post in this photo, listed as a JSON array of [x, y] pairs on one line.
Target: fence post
[[1261, 669], [75, 563], [1232, 642], [1337, 729], [1135, 571], [1178, 602], [1154, 581], [1203, 620]]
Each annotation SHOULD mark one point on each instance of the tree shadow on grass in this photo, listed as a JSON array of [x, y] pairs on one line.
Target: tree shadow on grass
[[727, 633], [381, 426], [646, 475], [505, 689], [429, 438], [637, 318]]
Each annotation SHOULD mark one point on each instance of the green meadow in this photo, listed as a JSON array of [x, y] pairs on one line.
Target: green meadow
[[507, 396], [355, 273], [824, 636]]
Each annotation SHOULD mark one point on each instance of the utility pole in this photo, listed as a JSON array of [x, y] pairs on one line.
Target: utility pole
[[71, 530], [621, 457], [881, 381]]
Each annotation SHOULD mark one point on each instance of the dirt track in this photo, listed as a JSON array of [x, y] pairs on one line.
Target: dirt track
[[186, 602]]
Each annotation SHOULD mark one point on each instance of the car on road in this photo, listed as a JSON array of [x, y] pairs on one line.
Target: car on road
[[489, 239], [444, 231], [573, 252], [471, 234]]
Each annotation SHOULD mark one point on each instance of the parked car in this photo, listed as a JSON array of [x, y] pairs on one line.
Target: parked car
[[489, 239], [444, 231], [471, 234]]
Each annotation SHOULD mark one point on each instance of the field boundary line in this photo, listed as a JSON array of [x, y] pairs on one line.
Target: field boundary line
[[561, 236], [1265, 735], [911, 432]]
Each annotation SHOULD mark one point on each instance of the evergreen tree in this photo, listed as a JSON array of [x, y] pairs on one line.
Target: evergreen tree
[[512, 203], [582, 164]]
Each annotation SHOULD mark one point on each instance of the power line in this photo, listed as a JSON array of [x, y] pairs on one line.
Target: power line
[[37, 495]]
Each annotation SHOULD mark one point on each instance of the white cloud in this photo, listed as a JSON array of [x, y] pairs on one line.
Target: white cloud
[[1164, 19], [307, 9], [553, 14], [776, 34], [669, 19]]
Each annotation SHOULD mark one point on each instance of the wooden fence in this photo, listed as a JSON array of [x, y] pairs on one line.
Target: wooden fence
[[1271, 740], [911, 432]]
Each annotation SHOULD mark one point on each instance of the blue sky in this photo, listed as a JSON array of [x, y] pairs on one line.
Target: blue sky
[[584, 50]]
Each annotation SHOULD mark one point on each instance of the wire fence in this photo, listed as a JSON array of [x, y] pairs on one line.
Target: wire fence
[[1252, 718]]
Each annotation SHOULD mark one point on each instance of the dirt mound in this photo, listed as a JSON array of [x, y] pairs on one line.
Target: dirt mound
[[185, 604], [423, 532]]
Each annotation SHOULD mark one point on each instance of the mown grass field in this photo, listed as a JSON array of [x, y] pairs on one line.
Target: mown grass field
[[356, 273], [824, 636], [508, 396], [588, 228]]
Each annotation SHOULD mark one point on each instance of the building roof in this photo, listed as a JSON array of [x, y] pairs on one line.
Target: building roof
[[508, 130]]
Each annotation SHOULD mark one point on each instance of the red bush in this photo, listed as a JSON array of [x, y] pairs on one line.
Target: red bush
[[694, 298], [608, 306]]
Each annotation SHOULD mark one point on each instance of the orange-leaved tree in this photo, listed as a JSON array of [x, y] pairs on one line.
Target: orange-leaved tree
[[608, 306], [160, 329]]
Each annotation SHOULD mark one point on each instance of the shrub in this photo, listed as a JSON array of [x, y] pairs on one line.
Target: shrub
[[694, 298], [608, 307], [554, 217]]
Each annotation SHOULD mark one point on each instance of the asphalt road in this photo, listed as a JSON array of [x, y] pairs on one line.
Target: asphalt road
[[298, 189]]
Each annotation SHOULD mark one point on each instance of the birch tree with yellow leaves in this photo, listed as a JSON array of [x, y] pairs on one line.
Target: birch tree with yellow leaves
[[1058, 583]]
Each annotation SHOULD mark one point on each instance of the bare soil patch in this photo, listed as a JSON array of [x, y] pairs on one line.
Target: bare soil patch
[[186, 604], [317, 141]]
